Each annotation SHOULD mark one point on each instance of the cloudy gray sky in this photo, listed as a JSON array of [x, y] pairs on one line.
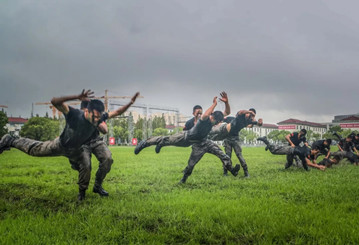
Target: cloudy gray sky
[[288, 59]]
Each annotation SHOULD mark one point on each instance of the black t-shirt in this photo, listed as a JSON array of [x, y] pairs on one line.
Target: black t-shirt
[[200, 130], [319, 144], [78, 130], [303, 152], [96, 134], [345, 145], [189, 124], [296, 141], [238, 123]]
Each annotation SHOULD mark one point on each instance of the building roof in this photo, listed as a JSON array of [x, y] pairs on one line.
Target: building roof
[[17, 120], [296, 121], [267, 125], [351, 118]]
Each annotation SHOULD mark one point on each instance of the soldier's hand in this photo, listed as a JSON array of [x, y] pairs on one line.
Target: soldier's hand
[[224, 97], [86, 95], [135, 97], [215, 100]]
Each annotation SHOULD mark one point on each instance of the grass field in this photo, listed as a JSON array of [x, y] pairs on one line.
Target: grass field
[[146, 205]]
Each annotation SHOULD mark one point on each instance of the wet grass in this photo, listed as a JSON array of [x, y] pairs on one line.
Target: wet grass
[[146, 205]]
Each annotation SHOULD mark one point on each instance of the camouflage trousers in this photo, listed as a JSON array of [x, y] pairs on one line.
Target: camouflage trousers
[[54, 148], [206, 146], [179, 139], [230, 144], [285, 150], [340, 155], [99, 148]]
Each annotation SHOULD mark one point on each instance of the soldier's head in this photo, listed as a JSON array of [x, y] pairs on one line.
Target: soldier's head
[[328, 142], [250, 116], [197, 111], [303, 132], [84, 105], [216, 117], [94, 111]]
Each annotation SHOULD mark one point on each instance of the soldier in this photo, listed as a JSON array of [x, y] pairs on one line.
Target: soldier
[[98, 147], [196, 136], [197, 112], [346, 150], [306, 155], [323, 146], [80, 127], [229, 132]]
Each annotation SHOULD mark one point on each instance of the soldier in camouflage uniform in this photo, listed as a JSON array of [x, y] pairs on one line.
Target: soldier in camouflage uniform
[[229, 132], [98, 147], [80, 126], [306, 155], [196, 136]]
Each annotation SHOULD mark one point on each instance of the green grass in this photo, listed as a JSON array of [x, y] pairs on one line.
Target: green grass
[[146, 205]]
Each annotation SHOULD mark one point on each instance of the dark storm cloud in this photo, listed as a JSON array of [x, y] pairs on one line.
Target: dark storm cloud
[[286, 58]]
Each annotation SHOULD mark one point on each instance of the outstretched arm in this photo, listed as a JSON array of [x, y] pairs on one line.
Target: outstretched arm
[[124, 108], [224, 98], [314, 165], [210, 110], [59, 102]]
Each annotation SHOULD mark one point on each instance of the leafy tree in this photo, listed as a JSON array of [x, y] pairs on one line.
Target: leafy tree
[[40, 128], [158, 122], [315, 136], [3, 122], [247, 135], [138, 134], [120, 132], [278, 136], [160, 132]]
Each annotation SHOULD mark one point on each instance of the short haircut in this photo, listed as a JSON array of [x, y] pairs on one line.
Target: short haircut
[[254, 110], [304, 131], [218, 116], [96, 105], [84, 104], [196, 107], [329, 141]]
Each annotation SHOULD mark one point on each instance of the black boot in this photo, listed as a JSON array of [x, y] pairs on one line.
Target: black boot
[[158, 148], [6, 142], [246, 174], [99, 190], [186, 172], [264, 139], [337, 135], [235, 170], [225, 172], [81, 195], [140, 146]]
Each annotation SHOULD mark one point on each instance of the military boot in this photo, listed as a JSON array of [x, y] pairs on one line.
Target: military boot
[[264, 139], [140, 146], [81, 195], [235, 170], [246, 174], [99, 190], [6, 142]]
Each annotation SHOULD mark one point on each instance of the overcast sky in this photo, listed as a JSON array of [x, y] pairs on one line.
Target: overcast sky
[[287, 59]]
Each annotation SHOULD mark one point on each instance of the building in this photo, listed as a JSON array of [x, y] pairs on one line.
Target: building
[[293, 125], [15, 124], [264, 130], [346, 121]]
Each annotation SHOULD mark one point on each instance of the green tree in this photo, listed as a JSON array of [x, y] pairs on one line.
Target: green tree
[[160, 132], [278, 136], [158, 122], [138, 134], [3, 122], [247, 135], [40, 128], [121, 133]]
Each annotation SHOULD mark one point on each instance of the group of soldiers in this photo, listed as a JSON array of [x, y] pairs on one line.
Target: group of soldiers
[[81, 137]]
